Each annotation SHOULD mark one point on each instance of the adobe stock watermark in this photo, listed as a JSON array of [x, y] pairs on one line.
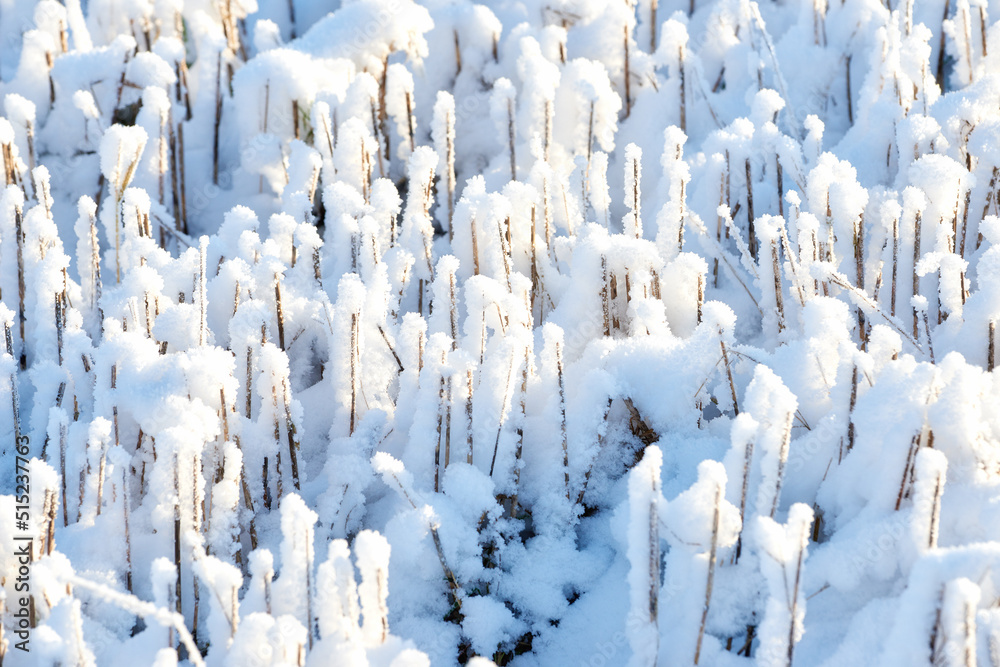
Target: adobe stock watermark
[[608, 653], [24, 540]]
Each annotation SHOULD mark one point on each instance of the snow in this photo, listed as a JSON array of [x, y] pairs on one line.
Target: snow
[[413, 332], [782, 556]]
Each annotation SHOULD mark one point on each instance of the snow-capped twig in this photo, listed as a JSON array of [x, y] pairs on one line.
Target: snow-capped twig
[[142, 609], [759, 21], [823, 271]]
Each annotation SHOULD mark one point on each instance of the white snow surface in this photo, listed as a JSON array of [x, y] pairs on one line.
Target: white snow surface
[[527, 332]]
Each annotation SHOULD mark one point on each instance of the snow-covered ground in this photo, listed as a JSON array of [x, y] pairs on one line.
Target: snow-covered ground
[[531, 332]]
